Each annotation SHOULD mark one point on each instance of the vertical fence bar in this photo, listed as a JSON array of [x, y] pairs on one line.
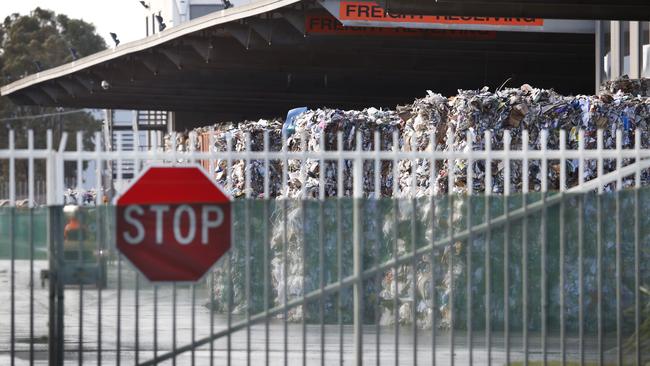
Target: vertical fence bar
[[155, 287], [80, 259], [100, 225], [357, 254], [506, 246], [303, 214], [193, 321], [247, 242], [619, 159], [377, 193], [600, 163], [339, 240], [414, 262], [55, 238], [266, 247], [136, 170], [581, 178], [599, 247], [119, 310], [543, 244], [488, 254], [211, 168], [321, 248], [524, 245], [211, 351], [174, 295], [452, 253], [12, 238], [229, 257], [285, 247], [30, 187], [395, 269], [637, 251], [432, 240], [155, 321], [619, 263], [119, 268], [137, 317], [470, 242], [562, 246]]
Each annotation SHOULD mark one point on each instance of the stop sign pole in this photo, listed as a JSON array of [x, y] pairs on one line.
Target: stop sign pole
[[173, 223]]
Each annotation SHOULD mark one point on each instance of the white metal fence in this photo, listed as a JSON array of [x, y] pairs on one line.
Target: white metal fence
[[356, 170], [485, 274]]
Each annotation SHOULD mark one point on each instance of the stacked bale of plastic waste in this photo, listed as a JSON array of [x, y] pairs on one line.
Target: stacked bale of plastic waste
[[319, 130], [535, 110], [433, 122]]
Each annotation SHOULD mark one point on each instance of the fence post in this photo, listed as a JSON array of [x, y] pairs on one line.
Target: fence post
[[357, 194], [55, 252], [56, 301]]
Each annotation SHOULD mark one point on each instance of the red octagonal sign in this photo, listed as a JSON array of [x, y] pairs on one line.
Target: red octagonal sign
[[173, 223]]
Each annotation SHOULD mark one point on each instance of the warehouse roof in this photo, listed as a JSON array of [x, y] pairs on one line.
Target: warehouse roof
[[266, 57]]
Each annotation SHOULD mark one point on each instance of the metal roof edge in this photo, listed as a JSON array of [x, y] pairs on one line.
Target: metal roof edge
[[206, 21]]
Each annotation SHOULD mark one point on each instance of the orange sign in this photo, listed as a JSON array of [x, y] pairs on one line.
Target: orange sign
[[325, 24], [369, 11]]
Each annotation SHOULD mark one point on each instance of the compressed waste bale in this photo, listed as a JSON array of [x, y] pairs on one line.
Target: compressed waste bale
[[447, 121], [479, 111], [640, 87], [316, 126], [535, 110]]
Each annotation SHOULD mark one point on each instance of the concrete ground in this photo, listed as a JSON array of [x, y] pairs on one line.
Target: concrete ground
[[145, 325]]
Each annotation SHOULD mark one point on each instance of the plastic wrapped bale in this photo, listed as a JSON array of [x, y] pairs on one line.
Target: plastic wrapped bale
[[312, 125], [542, 233], [626, 85], [237, 136], [329, 123], [478, 111], [424, 120], [534, 110], [251, 227], [235, 184]]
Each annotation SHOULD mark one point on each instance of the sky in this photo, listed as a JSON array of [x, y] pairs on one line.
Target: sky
[[126, 18]]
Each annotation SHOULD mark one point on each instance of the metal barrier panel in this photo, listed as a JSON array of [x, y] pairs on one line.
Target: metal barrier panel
[[466, 287], [354, 276]]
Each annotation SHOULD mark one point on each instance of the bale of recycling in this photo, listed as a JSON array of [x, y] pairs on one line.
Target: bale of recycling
[[536, 110], [425, 287]]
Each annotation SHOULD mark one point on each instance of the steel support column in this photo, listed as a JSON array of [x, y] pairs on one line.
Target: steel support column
[[616, 50]]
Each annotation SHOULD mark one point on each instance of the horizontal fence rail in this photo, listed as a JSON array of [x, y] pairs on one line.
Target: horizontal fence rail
[[521, 167], [362, 250]]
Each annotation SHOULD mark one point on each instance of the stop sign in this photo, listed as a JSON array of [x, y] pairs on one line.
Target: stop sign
[[173, 223]]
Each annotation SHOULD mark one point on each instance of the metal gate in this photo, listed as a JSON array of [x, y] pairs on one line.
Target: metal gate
[[375, 257]]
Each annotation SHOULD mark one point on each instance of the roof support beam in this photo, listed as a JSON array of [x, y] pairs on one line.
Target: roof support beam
[[263, 27], [54, 93], [86, 82], [245, 35], [39, 97], [173, 56], [202, 47], [70, 87], [149, 61], [297, 20]]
